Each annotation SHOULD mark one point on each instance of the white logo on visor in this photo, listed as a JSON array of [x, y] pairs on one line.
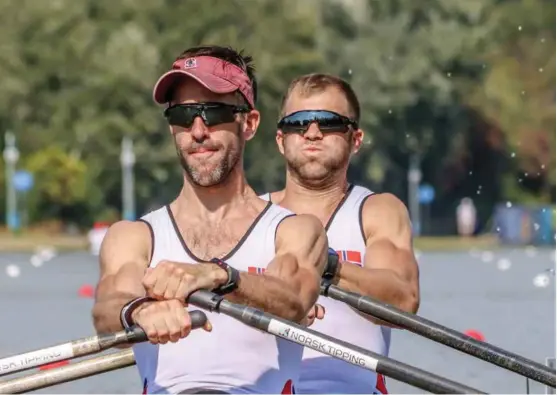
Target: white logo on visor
[[190, 63]]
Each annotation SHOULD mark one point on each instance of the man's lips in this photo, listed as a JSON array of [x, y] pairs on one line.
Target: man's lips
[[202, 150], [312, 149]]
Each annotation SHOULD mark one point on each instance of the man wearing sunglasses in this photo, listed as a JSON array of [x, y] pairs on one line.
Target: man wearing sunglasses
[[216, 235], [317, 135]]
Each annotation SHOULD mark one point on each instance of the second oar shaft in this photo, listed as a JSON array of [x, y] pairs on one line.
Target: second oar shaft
[[444, 335], [82, 369]]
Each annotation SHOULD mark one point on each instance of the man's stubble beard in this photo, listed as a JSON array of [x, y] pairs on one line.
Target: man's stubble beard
[[318, 172], [223, 169]]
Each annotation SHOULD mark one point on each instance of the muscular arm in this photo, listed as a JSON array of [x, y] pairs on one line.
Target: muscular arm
[[290, 285], [390, 273], [124, 257]]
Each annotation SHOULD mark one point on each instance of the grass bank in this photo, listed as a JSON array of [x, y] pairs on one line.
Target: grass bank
[[454, 243], [29, 241]]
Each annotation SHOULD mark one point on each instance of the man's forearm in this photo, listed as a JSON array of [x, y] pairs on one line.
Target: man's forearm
[[269, 294], [381, 284], [106, 312]]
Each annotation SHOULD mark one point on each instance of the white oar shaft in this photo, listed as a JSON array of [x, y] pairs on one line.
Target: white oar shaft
[[82, 347], [18, 363], [82, 369]]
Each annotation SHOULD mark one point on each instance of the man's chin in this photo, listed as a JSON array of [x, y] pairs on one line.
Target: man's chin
[[313, 174], [206, 177]]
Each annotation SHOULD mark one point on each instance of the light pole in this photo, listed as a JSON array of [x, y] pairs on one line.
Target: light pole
[[127, 159], [11, 156], [414, 178]]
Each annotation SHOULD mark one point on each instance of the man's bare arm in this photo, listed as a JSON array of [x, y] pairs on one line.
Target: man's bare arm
[[390, 271], [290, 285], [124, 257]]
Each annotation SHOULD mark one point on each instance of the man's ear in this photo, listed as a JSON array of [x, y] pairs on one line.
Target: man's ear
[[280, 141], [357, 140], [253, 119]]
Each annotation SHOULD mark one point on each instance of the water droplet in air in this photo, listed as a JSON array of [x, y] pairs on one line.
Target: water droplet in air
[[487, 256], [519, 28], [503, 264], [513, 154], [36, 261], [46, 253], [474, 252], [540, 69], [13, 271], [541, 280], [509, 204], [349, 71], [530, 251]]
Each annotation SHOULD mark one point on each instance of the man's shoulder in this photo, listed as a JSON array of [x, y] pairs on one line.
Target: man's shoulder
[[384, 201], [294, 224], [154, 213]]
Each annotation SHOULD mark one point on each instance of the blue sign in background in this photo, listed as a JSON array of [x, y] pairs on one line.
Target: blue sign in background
[[23, 181], [426, 194]]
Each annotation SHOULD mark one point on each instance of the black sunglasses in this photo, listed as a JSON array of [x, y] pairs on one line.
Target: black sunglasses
[[328, 121], [212, 114]]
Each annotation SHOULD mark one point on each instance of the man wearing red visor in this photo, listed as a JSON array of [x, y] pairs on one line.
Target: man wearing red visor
[[318, 134], [210, 237]]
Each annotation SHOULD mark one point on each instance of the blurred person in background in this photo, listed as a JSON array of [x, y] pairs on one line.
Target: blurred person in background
[[212, 236], [95, 236], [466, 217], [317, 134]]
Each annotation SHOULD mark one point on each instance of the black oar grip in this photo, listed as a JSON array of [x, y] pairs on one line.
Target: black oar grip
[[135, 334], [198, 319]]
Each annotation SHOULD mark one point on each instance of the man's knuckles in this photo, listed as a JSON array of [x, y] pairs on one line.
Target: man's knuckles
[[171, 268]]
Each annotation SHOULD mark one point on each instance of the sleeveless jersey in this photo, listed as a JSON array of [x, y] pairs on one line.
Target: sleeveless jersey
[[234, 357], [322, 374]]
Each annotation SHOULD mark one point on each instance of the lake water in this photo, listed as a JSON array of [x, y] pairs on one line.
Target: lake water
[[491, 292]]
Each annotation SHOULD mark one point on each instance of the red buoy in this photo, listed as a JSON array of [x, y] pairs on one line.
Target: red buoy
[[86, 291], [475, 334], [54, 365]]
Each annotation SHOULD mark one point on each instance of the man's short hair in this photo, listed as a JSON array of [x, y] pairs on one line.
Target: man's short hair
[[228, 54], [318, 82]]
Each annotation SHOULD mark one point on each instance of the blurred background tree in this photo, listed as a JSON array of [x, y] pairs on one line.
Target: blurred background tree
[[465, 86]]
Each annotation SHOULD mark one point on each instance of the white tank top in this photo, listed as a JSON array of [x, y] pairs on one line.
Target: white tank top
[[322, 374], [234, 357]]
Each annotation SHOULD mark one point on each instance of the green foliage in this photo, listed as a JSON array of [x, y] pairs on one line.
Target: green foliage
[[60, 183], [78, 76]]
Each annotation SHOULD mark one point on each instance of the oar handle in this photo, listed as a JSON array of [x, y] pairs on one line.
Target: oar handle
[[137, 335]]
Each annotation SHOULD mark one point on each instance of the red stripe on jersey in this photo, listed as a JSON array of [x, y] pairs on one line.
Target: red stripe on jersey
[[288, 388], [380, 385]]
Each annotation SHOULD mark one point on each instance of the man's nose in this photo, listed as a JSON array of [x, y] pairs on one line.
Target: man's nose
[[313, 132], [199, 130]]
